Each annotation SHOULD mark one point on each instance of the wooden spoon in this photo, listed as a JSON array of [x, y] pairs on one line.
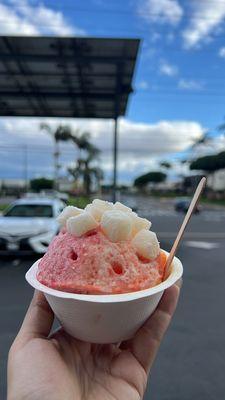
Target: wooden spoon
[[190, 210]]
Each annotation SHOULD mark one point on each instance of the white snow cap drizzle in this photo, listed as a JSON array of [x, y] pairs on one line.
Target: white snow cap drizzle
[[117, 221]]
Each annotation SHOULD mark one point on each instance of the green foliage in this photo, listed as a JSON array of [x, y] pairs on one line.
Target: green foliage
[[209, 163], [84, 168], [221, 160], [216, 202], [60, 133], [79, 201], [150, 177], [3, 207], [88, 153], [41, 184], [166, 164]]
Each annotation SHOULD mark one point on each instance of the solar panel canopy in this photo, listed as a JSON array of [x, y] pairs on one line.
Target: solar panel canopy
[[66, 77]]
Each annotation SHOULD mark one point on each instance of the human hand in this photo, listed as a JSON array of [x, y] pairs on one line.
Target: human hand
[[60, 367]]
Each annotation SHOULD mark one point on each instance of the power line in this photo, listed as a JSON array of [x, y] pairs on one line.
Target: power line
[[182, 92], [176, 90], [160, 97], [113, 10], [40, 148], [115, 31], [37, 149], [73, 5], [186, 78]]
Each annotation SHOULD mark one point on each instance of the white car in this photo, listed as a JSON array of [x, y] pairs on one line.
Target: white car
[[29, 225]]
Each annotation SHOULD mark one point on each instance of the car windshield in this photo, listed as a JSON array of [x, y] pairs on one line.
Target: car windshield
[[30, 210]]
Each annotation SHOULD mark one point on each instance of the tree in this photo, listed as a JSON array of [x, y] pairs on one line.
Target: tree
[[150, 177], [41, 184], [84, 167], [210, 163], [86, 172], [165, 164], [61, 133], [221, 160], [88, 154]]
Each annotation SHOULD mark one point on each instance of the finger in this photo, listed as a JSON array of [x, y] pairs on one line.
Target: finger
[[179, 283], [39, 318], [146, 342]]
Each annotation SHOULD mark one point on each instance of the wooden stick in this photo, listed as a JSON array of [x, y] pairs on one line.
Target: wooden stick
[[190, 210]]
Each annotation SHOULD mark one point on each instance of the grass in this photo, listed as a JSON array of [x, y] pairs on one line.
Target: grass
[[218, 202], [3, 207], [80, 201]]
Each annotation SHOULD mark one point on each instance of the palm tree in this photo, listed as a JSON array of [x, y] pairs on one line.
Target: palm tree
[[82, 141], [61, 133], [88, 154], [84, 167]]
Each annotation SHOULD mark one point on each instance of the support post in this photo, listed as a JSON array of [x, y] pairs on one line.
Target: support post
[[26, 167], [115, 148], [56, 165]]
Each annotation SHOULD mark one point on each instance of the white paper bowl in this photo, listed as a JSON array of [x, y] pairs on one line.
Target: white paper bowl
[[104, 318]]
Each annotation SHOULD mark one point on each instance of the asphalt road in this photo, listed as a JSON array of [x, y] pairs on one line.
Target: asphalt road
[[191, 361]]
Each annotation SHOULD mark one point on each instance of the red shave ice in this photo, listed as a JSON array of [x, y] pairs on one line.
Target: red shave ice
[[92, 264]]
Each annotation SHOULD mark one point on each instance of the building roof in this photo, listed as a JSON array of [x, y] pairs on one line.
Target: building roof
[[66, 77]]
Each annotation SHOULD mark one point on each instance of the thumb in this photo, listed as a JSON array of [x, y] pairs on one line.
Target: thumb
[[38, 320]]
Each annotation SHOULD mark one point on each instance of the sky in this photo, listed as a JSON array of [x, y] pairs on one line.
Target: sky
[[179, 86]]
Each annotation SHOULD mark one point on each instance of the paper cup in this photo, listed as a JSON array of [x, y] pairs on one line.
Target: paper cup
[[104, 318]]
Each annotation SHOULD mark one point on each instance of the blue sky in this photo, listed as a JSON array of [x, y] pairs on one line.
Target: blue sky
[[179, 85]]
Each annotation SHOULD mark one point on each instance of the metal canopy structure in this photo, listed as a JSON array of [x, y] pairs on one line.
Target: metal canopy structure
[[66, 77]]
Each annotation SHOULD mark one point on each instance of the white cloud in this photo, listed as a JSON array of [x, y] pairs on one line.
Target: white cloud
[[140, 144], [143, 85], [159, 138], [161, 11], [165, 68], [206, 18], [11, 23], [189, 84], [21, 17], [222, 52]]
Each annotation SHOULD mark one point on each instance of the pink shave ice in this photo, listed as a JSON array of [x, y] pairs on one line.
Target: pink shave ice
[[92, 264]]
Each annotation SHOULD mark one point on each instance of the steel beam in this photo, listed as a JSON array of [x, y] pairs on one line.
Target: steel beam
[[115, 149], [68, 58], [101, 75], [96, 96]]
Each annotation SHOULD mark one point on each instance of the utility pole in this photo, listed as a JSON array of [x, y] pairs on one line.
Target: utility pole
[[115, 147], [25, 163], [56, 155]]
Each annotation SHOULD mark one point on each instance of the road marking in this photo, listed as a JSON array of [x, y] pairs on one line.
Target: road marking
[[202, 245]]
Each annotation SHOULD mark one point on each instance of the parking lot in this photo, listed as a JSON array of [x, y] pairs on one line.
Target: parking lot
[[191, 361]]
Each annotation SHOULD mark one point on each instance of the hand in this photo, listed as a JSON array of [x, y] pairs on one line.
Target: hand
[[60, 367]]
